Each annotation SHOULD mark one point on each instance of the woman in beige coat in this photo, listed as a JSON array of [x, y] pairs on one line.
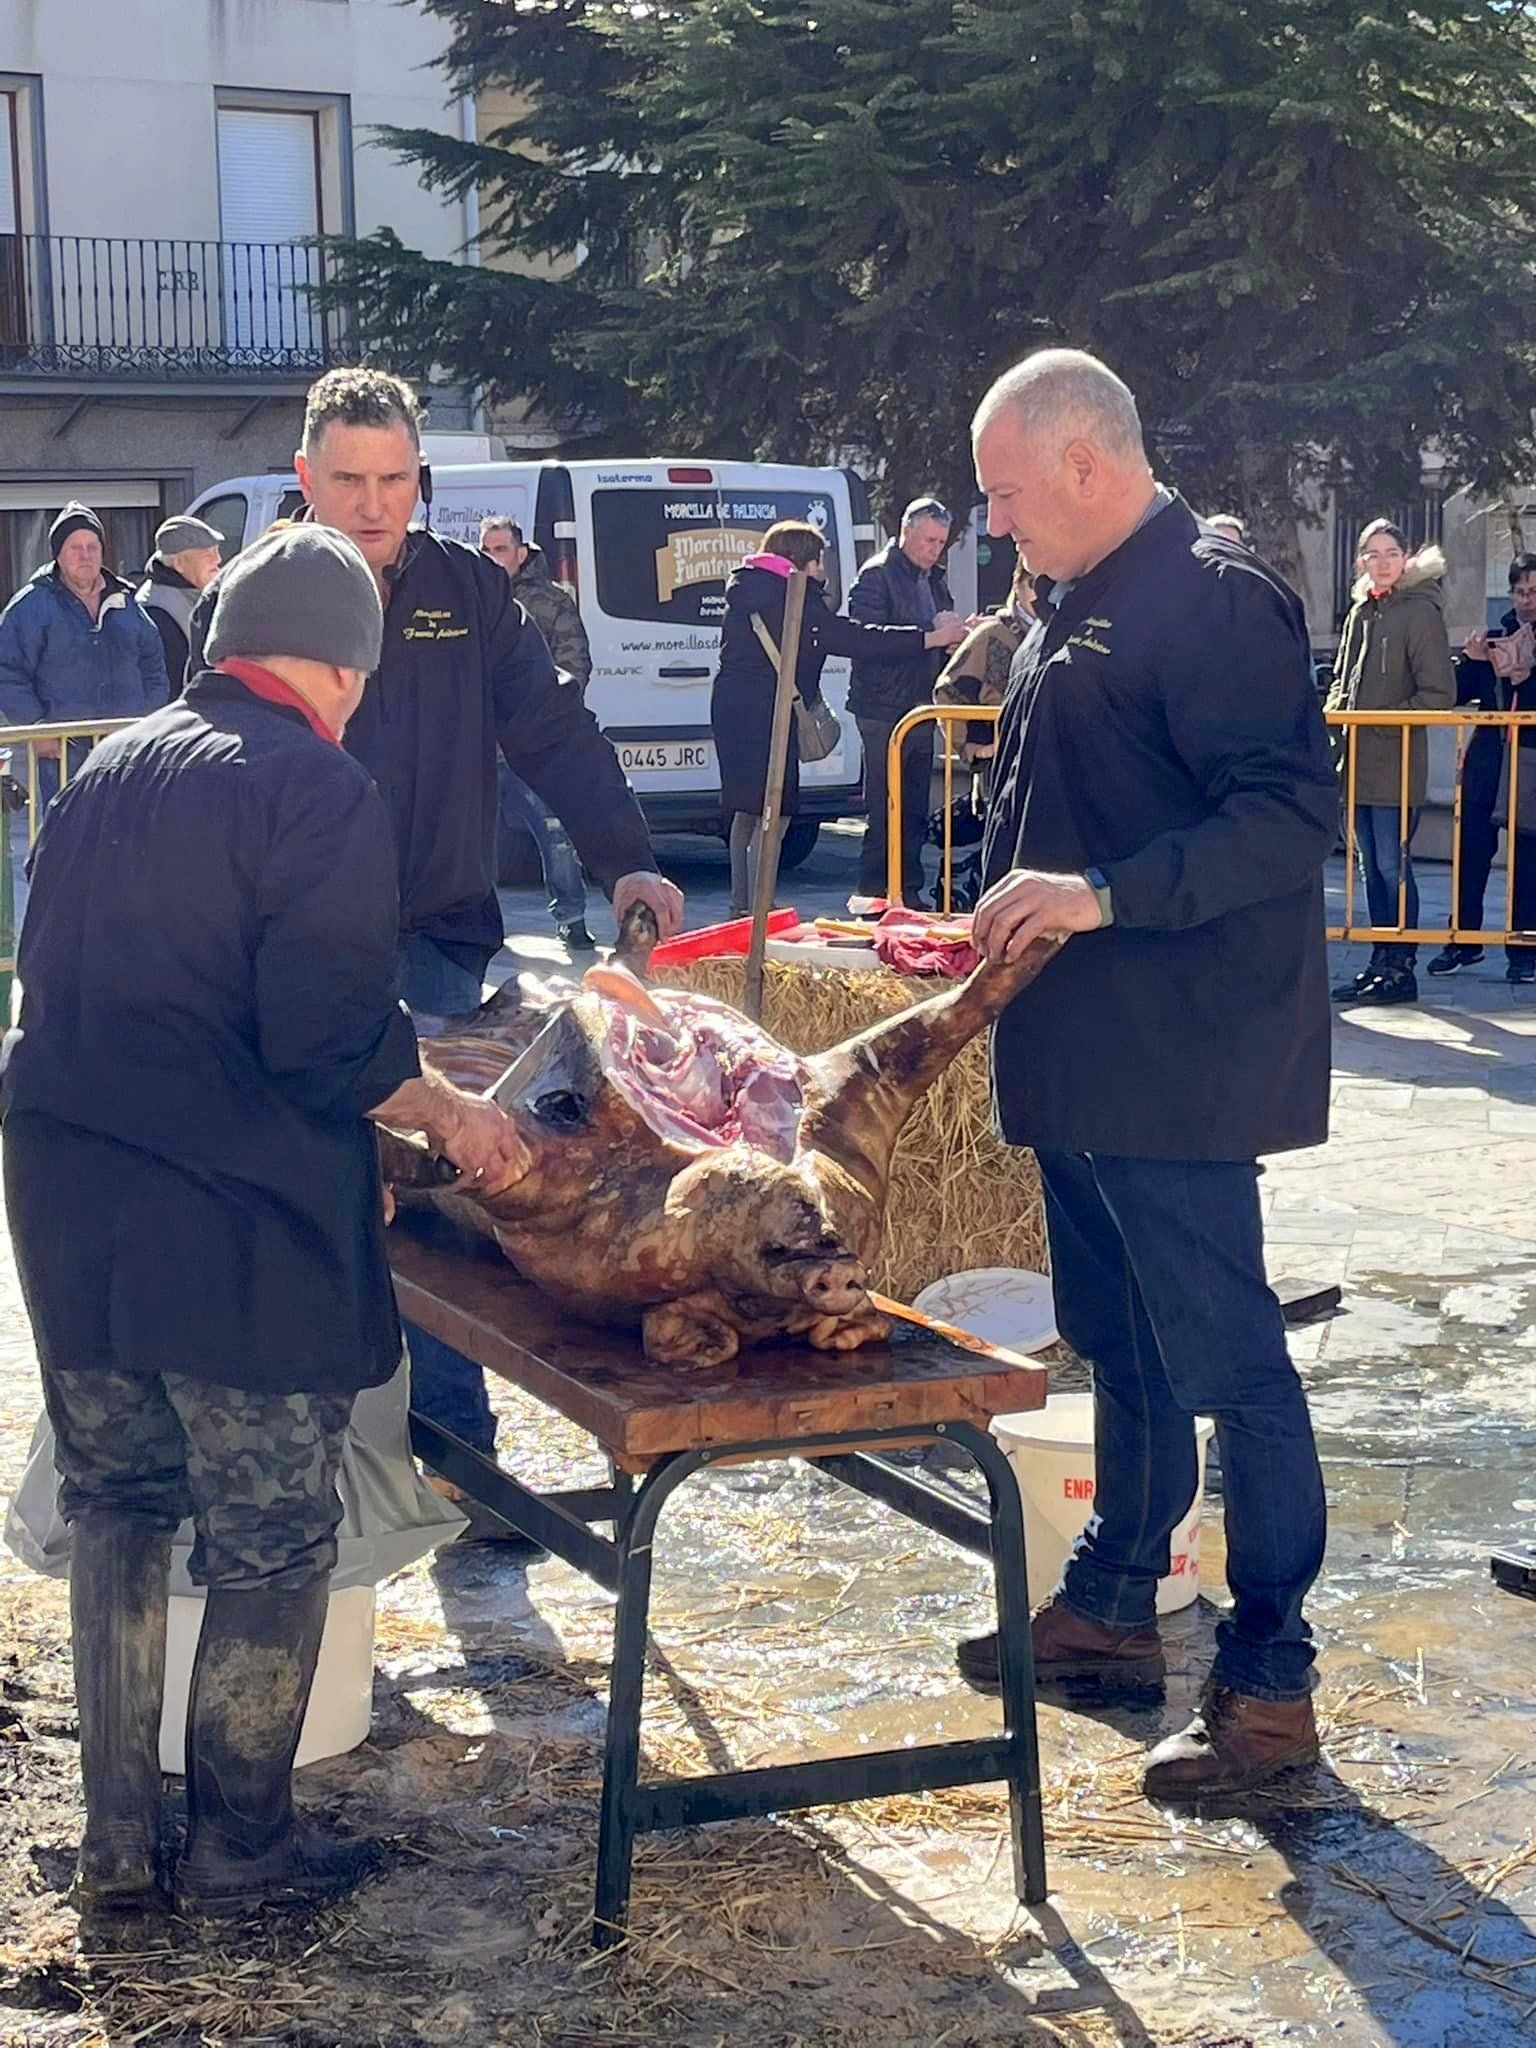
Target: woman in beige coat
[[1393, 655]]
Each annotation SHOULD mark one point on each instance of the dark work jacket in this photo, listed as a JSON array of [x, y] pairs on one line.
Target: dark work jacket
[[886, 593], [1162, 726], [741, 708], [169, 599], [1477, 684], [462, 669], [210, 952]]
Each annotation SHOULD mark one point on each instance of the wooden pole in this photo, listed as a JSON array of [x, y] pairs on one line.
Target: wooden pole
[[773, 793]]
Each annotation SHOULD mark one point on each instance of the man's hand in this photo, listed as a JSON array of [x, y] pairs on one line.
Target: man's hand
[[662, 898], [473, 1134], [48, 750], [1024, 905], [947, 630], [1476, 648]]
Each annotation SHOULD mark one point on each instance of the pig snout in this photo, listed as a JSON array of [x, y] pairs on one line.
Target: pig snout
[[835, 1287]]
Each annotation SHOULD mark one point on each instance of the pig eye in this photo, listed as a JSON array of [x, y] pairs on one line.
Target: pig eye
[[562, 1108]]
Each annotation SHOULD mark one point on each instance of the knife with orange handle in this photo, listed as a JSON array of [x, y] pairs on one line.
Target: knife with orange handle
[[966, 1339]]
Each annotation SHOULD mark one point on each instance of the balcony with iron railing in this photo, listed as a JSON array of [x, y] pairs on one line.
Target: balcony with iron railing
[[84, 307]]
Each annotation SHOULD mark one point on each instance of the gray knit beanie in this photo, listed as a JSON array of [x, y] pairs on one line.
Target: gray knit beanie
[[304, 591]]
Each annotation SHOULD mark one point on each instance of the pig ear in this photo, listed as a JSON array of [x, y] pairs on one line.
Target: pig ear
[[862, 1092]]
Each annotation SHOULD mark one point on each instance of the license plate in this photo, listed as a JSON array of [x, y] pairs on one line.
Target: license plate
[[673, 756]]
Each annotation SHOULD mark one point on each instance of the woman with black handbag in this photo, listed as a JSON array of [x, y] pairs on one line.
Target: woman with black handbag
[[741, 708]]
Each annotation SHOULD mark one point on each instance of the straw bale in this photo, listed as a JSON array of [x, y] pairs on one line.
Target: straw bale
[[959, 1197]]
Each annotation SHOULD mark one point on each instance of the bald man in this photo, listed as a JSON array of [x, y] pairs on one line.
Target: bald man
[[1163, 794]]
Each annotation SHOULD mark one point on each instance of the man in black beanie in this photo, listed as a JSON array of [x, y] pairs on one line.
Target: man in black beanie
[[75, 644], [208, 1026]]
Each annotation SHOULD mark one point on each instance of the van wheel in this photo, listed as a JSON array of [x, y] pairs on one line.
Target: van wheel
[[799, 842]]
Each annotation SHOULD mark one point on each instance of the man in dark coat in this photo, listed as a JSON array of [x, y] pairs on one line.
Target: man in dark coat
[[209, 1021], [1162, 791], [1479, 685], [463, 672], [902, 585], [185, 561]]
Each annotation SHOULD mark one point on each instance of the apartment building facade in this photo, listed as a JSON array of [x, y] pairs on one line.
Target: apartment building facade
[[163, 168]]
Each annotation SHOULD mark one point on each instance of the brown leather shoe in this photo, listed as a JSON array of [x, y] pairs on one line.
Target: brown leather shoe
[[1234, 1743], [1073, 1652]]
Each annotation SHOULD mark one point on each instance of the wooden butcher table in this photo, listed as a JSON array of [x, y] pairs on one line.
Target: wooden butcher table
[[657, 1428]]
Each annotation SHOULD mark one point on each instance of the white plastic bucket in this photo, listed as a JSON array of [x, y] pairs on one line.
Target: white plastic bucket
[[1051, 1452], [340, 1705]]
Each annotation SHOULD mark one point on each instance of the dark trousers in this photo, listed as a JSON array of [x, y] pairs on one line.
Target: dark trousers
[[916, 778], [1158, 1272], [256, 1472], [1481, 772], [447, 1387]]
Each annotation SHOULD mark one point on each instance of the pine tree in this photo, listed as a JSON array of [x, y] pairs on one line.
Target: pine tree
[[1299, 232]]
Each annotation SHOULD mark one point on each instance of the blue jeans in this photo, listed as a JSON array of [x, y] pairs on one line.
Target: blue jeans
[[557, 856], [1378, 846], [431, 982], [448, 1388], [1158, 1272]]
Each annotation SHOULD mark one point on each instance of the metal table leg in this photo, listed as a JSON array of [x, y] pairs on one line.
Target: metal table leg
[[1016, 1663], [626, 1690]]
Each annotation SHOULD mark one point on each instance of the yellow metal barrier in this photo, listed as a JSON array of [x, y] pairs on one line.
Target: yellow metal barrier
[[1465, 722], [1348, 723], [39, 743], [945, 715]]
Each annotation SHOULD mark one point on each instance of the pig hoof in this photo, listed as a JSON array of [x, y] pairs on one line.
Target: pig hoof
[[685, 1335], [848, 1333]]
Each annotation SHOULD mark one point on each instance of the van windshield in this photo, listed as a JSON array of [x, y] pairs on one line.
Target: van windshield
[[664, 555]]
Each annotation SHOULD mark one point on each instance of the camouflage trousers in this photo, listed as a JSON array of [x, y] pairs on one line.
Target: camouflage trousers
[[256, 1472]]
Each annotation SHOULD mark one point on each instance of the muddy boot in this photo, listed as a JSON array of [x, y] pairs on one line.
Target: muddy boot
[[1234, 1744], [1073, 1653], [250, 1685], [119, 1576]]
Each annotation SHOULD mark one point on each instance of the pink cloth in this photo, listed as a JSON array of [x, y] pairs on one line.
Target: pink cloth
[[919, 942], [778, 565]]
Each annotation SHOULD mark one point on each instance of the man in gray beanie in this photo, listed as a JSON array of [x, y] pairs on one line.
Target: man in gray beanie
[[209, 1024], [185, 561]]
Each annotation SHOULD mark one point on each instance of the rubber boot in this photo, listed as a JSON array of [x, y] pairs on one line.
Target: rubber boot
[[119, 1578], [250, 1686]]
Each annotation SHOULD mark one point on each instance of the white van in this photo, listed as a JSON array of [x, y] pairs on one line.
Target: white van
[[645, 547]]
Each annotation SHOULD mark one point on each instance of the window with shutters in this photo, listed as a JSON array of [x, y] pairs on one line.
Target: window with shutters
[[269, 207]]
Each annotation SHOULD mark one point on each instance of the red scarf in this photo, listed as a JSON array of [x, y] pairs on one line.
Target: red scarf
[[262, 683]]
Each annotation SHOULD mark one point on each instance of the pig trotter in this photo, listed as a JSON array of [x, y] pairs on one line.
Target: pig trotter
[[848, 1333], [693, 1334]]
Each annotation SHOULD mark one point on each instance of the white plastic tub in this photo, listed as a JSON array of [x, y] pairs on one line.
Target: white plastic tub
[[339, 1706], [1051, 1452]]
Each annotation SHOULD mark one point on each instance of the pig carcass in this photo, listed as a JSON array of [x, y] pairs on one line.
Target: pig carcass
[[687, 1174]]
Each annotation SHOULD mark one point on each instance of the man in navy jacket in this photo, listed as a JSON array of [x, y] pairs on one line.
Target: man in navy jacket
[[1162, 793], [210, 1020]]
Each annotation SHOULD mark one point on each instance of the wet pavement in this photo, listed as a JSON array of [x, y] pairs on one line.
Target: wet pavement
[[1387, 1898], [1395, 1900]]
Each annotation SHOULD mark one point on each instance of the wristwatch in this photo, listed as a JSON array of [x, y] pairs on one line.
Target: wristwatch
[[1098, 882]]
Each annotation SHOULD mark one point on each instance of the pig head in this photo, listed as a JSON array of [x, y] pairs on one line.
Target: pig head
[[625, 1217]]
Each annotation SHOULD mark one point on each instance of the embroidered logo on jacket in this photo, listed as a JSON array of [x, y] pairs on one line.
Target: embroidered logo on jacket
[[1087, 635], [433, 625]]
